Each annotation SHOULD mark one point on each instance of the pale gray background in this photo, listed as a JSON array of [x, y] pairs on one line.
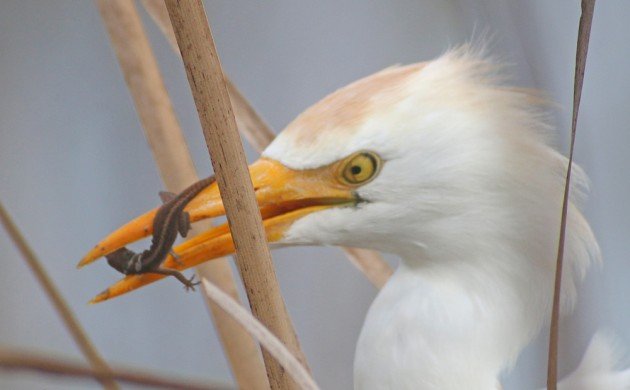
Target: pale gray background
[[74, 163]]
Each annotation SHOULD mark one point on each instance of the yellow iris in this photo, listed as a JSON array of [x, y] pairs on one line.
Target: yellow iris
[[360, 168]]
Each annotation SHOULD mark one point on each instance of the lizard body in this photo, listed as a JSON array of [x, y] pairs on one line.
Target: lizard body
[[169, 220]]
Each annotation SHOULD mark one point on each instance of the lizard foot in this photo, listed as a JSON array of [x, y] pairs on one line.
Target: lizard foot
[[190, 284]]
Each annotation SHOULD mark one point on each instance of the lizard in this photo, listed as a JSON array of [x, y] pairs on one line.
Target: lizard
[[169, 220]]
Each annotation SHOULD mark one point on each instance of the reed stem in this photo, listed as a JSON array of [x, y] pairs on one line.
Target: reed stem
[[228, 159], [75, 329], [170, 151], [584, 31], [259, 135], [20, 360]]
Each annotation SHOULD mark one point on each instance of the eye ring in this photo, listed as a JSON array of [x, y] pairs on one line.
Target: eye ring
[[360, 168]]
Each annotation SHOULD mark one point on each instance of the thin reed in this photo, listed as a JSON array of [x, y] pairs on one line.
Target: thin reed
[[219, 127], [588, 8], [177, 170], [259, 135], [18, 360], [70, 321]]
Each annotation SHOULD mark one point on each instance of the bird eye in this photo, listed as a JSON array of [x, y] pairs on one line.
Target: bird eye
[[360, 167]]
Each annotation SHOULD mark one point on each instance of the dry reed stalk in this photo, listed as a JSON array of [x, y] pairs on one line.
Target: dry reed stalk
[[61, 306], [177, 170], [371, 264], [259, 135], [228, 159], [267, 339], [249, 123], [20, 360], [584, 32]]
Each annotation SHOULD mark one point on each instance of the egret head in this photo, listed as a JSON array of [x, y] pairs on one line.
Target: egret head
[[436, 162], [463, 169]]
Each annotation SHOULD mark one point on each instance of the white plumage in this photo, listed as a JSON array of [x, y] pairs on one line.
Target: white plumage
[[444, 166], [469, 197]]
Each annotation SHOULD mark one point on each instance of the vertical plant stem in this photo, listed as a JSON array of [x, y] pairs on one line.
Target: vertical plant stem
[[584, 31], [228, 159], [259, 135], [62, 307], [266, 338], [248, 121], [176, 167]]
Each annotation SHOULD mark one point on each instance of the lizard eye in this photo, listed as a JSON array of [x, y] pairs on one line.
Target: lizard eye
[[360, 168]]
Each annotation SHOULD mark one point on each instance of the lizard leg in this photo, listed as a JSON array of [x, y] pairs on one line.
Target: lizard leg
[[183, 225], [189, 284]]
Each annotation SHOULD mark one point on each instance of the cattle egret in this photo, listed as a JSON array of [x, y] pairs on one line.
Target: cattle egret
[[444, 166]]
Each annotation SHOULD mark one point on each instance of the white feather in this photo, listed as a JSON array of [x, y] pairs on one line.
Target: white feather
[[597, 369], [469, 197]]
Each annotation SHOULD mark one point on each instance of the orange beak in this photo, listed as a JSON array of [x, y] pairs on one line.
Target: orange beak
[[284, 195]]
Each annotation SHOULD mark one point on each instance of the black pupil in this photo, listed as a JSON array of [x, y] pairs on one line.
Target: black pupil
[[355, 169]]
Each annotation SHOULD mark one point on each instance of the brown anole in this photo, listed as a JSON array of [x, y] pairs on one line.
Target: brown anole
[[169, 220]]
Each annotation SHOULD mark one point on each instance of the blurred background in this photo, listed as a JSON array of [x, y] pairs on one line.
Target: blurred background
[[74, 164]]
